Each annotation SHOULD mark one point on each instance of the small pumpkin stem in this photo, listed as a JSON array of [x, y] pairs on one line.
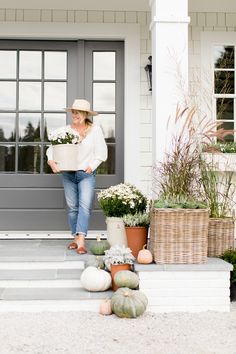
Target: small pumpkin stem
[[98, 238], [144, 247], [126, 293]]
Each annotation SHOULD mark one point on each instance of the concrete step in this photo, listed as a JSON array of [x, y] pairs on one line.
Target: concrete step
[[32, 294]]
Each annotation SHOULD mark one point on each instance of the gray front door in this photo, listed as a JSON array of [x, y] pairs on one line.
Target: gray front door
[[38, 79]]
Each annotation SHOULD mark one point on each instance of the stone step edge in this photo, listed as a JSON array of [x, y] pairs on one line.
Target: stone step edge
[[40, 283], [31, 265]]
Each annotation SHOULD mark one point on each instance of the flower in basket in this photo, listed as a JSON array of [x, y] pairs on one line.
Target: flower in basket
[[121, 199], [118, 255], [63, 137]]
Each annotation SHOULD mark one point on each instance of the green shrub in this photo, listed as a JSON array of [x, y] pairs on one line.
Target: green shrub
[[230, 257]]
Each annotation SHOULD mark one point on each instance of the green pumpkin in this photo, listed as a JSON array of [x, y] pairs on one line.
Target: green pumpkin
[[126, 279], [95, 262], [128, 303], [99, 246]]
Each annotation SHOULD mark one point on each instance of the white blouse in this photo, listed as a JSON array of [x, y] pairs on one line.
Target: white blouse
[[92, 150]]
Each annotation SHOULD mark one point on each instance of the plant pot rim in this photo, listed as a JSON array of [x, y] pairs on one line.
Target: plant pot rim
[[137, 227]]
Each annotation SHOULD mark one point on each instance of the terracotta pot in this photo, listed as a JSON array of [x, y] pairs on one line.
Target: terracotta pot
[[136, 238], [116, 268]]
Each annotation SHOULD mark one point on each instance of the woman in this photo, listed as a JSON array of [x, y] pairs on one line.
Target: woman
[[79, 186]]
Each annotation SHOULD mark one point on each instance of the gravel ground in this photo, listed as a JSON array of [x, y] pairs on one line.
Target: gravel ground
[[91, 333]]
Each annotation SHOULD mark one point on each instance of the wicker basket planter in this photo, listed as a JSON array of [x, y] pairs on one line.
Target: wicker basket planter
[[220, 236], [179, 235]]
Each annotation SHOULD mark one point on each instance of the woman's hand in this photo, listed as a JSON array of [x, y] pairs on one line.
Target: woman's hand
[[88, 170], [53, 166]]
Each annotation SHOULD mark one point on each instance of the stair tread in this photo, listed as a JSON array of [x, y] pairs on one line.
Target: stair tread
[[40, 274], [51, 294]]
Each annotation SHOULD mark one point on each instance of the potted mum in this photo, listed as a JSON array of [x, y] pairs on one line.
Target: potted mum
[[136, 227], [118, 258], [117, 201], [65, 149]]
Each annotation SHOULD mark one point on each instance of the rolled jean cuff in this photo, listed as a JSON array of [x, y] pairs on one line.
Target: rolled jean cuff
[[80, 233]]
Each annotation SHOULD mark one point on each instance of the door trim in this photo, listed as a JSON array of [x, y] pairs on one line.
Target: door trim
[[130, 33]]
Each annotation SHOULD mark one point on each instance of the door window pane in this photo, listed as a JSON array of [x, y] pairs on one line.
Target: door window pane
[[53, 121], [30, 96], [55, 65], [104, 96], [7, 64], [46, 167], [225, 108], [30, 65], [54, 96], [107, 123], [7, 127], [7, 95], [108, 167], [224, 82], [7, 158], [29, 126], [104, 65], [29, 159], [224, 57]]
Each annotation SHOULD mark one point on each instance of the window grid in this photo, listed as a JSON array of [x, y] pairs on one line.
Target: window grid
[[42, 143], [225, 87]]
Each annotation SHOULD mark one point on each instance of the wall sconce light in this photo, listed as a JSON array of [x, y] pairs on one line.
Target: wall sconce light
[[148, 69]]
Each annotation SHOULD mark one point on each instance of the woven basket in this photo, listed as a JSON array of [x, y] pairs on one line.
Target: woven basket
[[179, 235], [220, 235]]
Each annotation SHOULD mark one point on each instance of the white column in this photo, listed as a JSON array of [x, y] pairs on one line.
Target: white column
[[169, 29]]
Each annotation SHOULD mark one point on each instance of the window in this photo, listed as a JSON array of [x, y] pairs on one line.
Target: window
[[224, 86], [33, 93]]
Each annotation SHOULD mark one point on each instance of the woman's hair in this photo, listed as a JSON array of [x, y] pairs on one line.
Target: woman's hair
[[88, 121]]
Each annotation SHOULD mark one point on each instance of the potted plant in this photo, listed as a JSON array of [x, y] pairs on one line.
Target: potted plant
[[219, 191], [65, 144], [136, 227], [230, 257], [179, 217], [118, 258], [116, 201]]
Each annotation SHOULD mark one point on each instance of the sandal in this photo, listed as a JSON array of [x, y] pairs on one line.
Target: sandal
[[81, 250], [72, 246]]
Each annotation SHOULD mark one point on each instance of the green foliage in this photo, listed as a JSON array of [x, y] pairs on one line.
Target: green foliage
[[230, 257], [179, 203], [138, 219], [225, 147], [122, 199], [218, 190]]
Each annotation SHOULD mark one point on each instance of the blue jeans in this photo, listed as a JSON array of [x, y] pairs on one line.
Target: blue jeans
[[79, 188]]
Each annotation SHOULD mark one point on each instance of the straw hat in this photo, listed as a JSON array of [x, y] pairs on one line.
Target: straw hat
[[81, 105]]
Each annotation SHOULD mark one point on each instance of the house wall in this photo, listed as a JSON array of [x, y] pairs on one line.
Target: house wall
[[200, 21], [142, 18], [204, 22]]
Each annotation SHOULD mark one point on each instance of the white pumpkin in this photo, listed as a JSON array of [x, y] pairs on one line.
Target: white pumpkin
[[95, 279]]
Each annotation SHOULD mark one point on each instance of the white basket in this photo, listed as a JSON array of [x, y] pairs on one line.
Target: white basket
[[66, 156]]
